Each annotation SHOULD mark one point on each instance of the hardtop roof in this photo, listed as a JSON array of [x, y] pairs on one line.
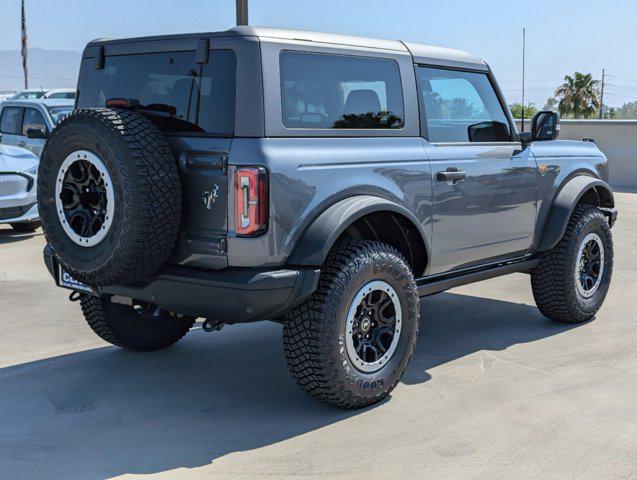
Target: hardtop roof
[[426, 54]]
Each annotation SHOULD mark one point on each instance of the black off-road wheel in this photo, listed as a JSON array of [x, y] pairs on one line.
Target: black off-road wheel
[[350, 343], [142, 327], [572, 279], [26, 226], [109, 195]]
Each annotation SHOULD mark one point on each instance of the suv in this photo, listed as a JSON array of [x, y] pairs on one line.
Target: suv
[[323, 181]]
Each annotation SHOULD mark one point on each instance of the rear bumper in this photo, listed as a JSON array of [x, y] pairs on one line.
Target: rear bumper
[[231, 296]]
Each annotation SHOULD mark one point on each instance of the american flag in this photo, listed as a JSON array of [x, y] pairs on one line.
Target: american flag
[[25, 51]]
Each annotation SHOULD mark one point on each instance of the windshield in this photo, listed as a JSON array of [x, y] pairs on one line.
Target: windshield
[[194, 98], [58, 113]]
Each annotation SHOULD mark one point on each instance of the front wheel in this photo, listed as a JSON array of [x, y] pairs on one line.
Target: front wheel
[[350, 343], [143, 326], [572, 279]]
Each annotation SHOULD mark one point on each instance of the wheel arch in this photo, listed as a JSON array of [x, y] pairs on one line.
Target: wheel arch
[[364, 217], [579, 190]]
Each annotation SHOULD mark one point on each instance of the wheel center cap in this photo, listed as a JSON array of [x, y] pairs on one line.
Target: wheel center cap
[[366, 324]]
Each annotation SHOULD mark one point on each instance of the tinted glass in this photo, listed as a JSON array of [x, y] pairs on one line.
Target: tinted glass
[[337, 91], [461, 107], [33, 119], [58, 113], [10, 120], [62, 95], [202, 96]]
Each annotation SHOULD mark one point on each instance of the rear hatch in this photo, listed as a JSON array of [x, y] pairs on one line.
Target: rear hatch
[[190, 96]]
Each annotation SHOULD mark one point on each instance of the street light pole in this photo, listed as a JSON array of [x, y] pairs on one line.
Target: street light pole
[[601, 100], [242, 12], [523, 73]]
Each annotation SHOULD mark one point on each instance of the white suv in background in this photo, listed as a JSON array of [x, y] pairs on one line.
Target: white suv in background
[[27, 123], [18, 194]]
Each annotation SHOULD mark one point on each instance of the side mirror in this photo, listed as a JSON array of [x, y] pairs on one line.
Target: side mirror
[[545, 126], [36, 133]]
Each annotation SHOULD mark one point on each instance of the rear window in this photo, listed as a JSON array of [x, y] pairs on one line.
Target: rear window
[[203, 96], [338, 91]]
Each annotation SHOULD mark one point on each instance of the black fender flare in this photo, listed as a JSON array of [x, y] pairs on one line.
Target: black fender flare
[[318, 239], [564, 204]]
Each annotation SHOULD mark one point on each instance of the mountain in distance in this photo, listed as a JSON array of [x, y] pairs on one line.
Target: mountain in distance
[[47, 69]]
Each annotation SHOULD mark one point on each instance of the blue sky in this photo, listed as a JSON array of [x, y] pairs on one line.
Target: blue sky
[[562, 36]]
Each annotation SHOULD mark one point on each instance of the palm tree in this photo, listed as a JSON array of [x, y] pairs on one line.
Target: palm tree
[[578, 95]]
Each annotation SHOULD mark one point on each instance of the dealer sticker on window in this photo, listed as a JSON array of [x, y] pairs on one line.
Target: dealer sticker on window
[[65, 280]]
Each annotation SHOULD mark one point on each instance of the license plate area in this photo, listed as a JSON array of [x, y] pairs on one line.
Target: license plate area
[[65, 280]]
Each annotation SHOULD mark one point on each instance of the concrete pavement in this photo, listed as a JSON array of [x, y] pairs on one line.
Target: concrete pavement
[[494, 391]]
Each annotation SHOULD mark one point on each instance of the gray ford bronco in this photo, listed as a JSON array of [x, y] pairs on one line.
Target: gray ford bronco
[[326, 182]]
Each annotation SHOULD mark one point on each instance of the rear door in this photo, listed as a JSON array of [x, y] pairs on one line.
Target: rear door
[[484, 182], [33, 119], [11, 126], [192, 103]]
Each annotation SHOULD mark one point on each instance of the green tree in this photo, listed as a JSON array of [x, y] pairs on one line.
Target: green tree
[[628, 111], [579, 96], [550, 104], [529, 110]]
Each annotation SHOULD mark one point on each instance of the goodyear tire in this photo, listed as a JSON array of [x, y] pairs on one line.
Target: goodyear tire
[[109, 196], [572, 279], [350, 343]]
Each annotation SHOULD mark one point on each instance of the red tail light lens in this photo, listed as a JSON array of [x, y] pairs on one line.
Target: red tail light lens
[[251, 201]]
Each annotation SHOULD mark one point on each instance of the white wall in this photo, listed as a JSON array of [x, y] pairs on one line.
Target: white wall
[[616, 138]]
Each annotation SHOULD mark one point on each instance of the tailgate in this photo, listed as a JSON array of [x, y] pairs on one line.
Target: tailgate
[[204, 182]]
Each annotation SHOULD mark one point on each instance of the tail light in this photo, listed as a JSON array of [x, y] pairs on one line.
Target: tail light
[[251, 201]]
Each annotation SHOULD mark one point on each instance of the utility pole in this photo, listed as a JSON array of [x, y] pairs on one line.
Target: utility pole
[[25, 50], [242, 12], [601, 100], [523, 73]]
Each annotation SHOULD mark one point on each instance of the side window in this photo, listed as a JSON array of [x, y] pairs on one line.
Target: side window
[[461, 107], [33, 119], [11, 120], [339, 91]]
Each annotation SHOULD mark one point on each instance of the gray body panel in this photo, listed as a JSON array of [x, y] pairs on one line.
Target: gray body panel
[[498, 211]]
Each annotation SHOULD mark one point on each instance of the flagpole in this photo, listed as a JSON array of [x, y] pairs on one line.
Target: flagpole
[[25, 50]]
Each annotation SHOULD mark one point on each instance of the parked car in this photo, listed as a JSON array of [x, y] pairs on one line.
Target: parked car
[[18, 180], [53, 93], [6, 94], [27, 123], [29, 94], [60, 94], [324, 181]]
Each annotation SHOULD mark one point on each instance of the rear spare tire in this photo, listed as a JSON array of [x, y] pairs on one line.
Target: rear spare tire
[[109, 196]]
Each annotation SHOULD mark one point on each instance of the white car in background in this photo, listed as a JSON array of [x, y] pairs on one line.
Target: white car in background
[[27, 123], [18, 181], [6, 94], [36, 93]]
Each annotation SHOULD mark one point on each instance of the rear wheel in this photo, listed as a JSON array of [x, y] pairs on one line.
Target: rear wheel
[[572, 279], [143, 326], [350, 343]]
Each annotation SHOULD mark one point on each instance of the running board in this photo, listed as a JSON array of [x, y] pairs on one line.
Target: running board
[[440, 283]]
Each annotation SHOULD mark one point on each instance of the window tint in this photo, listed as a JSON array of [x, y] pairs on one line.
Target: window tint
[[32, 119], [62, 95], [202, 96], [337, 91], [461, 107], [11, 120], [58, 113]]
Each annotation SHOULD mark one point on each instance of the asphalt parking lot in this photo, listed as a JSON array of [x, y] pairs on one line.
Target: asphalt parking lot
[[494, 390]]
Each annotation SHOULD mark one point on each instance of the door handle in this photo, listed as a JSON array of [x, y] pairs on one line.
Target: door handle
[[451, 175]]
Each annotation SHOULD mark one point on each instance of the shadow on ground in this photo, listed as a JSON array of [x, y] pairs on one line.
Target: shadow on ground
[[8, 235], [107, 412]]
